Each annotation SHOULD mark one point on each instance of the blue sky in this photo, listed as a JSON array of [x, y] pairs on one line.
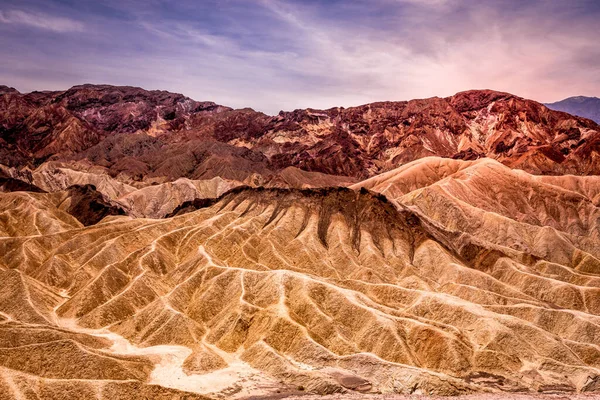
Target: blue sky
[[283, 54]]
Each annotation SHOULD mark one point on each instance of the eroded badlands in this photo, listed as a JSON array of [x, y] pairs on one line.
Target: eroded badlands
[[441, 277]]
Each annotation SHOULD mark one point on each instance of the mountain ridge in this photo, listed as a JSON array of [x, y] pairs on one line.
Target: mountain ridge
[[86, 122], [584, 106]]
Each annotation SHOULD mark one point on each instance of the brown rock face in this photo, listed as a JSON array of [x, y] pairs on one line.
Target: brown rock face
[[366, 140], [37, 125], [8, 184], [88, 205], [118, 109]]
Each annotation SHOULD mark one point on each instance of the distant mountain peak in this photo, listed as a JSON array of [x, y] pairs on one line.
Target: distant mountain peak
[[7, 89], [582, 106], [581, 98]]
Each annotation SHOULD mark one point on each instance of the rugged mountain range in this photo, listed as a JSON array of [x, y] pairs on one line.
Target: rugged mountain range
[[587, 107], [178, 137], [152, 246]]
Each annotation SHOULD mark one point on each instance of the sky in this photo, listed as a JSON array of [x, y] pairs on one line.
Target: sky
[[274, 55]]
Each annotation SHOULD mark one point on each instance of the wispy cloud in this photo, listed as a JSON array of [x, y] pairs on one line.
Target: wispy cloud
[[40, 21], [286, 54]]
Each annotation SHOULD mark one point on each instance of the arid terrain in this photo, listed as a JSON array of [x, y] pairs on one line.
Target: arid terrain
[[153, 246]]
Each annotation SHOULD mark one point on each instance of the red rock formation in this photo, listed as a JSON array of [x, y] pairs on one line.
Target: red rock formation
[[358, 141]]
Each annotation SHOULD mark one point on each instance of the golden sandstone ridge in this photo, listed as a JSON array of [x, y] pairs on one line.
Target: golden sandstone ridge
[[440, 277], [156, 247]]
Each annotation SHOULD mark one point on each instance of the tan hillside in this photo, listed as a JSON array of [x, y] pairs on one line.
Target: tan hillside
[[465, 277]]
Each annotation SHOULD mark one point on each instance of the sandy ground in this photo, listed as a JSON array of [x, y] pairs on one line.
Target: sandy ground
[[503, 396], [238, 380]]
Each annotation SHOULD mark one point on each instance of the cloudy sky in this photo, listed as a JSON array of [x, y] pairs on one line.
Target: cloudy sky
[[286, 54]]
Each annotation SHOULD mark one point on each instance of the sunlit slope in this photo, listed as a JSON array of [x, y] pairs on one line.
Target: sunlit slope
[[441, 289]]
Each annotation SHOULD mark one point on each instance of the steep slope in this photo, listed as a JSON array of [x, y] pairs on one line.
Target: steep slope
[[586, 107], [118, 109], [566, 203], [88, 205], [335, 289], [8, 183], [56, 176], [555, 219]]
